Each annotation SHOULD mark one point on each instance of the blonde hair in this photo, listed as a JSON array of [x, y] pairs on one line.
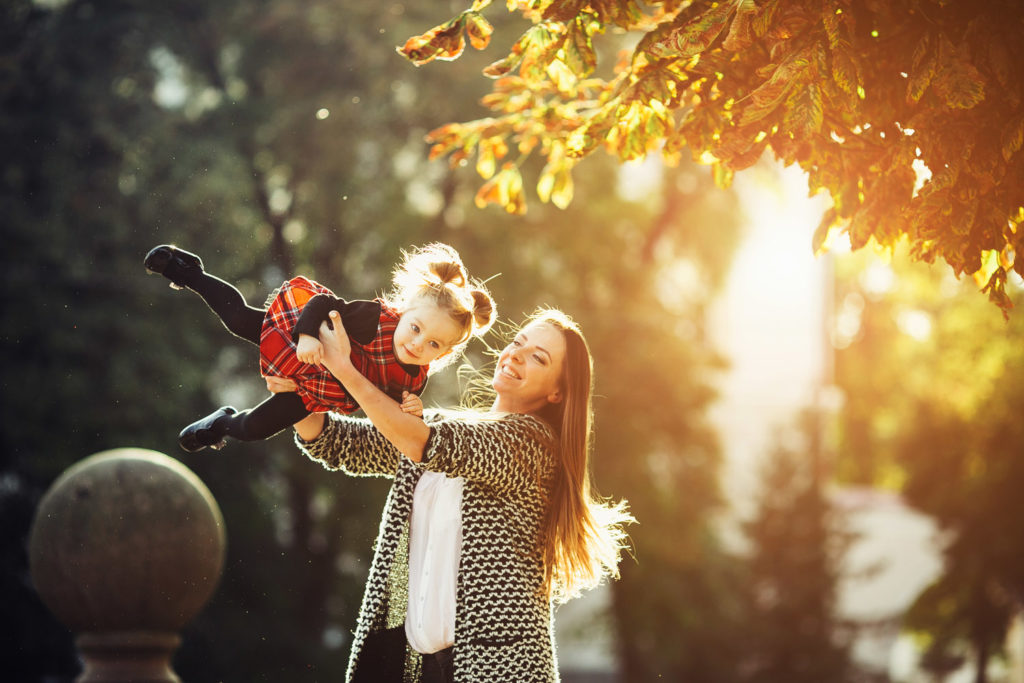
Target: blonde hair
[[583, 535], [435, 273]]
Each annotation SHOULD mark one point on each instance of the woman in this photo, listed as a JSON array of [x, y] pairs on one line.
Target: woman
[[490, 519]]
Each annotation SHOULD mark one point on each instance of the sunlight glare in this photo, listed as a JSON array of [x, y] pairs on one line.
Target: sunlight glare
[[769, 321], [915, 323]]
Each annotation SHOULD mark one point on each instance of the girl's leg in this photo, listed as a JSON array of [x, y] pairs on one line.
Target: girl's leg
[[278, 412], [241, 319], [185, 269]]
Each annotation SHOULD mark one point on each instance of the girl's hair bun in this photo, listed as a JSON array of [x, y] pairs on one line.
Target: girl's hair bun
[[484, 311]]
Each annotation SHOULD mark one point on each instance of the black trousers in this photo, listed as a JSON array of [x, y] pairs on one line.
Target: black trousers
[[439, 667], [278, 412], [382, 660]]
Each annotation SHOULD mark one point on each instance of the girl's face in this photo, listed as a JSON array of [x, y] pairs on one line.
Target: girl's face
[[529, 370], [424, 333]]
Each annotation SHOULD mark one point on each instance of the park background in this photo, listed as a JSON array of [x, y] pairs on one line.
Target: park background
[[824, 453]]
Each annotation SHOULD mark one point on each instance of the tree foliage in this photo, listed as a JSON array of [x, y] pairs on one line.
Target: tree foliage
[[250, 134], [950, 438], [907, 113]]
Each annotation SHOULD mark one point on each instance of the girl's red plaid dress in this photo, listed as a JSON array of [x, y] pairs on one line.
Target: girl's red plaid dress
[[318, 389]]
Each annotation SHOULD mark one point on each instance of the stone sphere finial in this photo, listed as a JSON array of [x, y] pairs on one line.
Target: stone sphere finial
[[126, 547]]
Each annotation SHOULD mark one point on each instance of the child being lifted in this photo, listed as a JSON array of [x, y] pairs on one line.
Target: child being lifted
[[423, 324]]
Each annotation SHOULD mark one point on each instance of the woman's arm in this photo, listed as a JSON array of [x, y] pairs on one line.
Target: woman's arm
[[310, 427], [506, 454], [407, 432], [344, 443]]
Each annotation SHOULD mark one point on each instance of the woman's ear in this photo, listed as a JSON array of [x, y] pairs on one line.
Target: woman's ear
[[555, 396]]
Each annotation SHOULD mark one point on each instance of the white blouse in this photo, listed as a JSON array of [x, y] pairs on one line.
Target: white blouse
[[435, 545]]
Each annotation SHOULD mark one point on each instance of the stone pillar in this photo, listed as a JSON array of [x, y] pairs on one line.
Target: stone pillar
[[126, 547]]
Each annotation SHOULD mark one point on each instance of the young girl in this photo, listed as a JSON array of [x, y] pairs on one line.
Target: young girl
[[397, 341]]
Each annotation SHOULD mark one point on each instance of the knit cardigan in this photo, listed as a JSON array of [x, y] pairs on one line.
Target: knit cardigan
[[504, 625]]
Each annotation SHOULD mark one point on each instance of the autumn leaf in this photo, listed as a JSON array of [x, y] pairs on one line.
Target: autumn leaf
[[822, 234], [489, 151], [539, 46], [996, 290], [562, 11], [688, 38], [741, 33], [579, 49], [804, 111], [958, 82], [505, 189], [1013, 138], [555, 183], [479, 30], [441, 42], [858, 95]]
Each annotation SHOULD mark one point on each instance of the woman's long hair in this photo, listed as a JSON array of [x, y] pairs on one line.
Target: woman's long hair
[[583, 535]]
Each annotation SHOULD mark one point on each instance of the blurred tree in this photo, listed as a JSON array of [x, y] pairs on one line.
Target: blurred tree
[[797, 544], [951, 439], [258, 136], [867, 97], [241, 132]]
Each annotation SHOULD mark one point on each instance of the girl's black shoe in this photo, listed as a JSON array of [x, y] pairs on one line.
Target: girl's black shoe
[[202, 433], [177, 265]]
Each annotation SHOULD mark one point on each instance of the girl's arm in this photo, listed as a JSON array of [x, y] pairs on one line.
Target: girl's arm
[[406, 431]]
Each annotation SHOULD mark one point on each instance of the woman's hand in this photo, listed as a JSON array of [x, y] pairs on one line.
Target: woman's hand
[[336, 345], [280, 385]]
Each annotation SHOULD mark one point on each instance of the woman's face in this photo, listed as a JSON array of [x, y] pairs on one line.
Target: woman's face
[[529, 370]]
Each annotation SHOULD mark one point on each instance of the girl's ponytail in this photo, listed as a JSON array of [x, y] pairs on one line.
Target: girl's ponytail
[[484, 311], [449, 273]]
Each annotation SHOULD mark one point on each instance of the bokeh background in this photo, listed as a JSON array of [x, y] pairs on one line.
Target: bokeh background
[[825, 455]]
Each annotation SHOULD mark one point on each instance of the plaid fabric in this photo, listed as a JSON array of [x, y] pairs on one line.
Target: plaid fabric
[[318, 389]]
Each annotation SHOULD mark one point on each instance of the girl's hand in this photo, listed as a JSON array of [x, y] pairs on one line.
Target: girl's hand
[[309, 350], [412, 404], [280, 385]]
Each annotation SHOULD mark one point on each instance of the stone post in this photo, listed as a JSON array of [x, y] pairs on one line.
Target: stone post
[[126, 547]]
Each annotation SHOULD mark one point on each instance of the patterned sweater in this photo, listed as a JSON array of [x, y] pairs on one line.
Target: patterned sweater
[[504, 626]]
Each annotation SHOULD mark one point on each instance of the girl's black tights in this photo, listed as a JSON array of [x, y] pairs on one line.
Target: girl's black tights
[[241, 319], [278, 412]]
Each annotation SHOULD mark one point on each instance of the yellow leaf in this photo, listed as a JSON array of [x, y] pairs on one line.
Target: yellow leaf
[[485, 163], [722, 175], [562, 192]]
